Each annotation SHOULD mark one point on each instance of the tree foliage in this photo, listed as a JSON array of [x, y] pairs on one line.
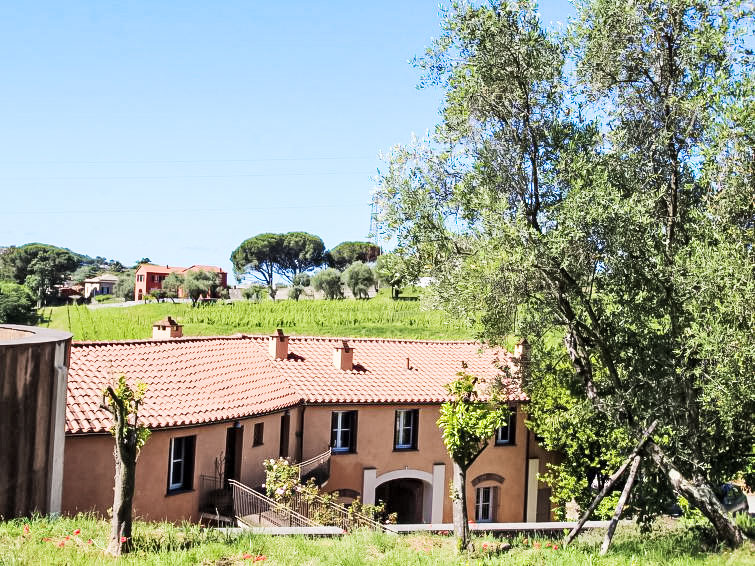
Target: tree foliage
[[17, 305], [329, 282], [392, 270], [198, 283], [38, 266], [346, 253], [172, 284], [619, 241], [359, 278], [300, 283]]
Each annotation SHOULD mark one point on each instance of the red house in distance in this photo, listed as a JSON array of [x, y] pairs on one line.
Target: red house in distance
[[150, 276]]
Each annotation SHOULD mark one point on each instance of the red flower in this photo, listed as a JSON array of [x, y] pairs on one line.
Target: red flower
[[90, 541], [246, 556], [536, 545], [123, 539], [62, 543], [26, 529], [555, 547], [77, 532]]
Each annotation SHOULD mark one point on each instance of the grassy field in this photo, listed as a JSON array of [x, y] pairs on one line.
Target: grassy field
[[379, 317], [80, 541]]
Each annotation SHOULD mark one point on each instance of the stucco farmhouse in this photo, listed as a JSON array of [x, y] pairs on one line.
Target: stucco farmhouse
[[219, 406]]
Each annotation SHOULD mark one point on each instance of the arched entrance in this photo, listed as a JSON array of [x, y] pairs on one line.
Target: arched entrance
[[403, 496]]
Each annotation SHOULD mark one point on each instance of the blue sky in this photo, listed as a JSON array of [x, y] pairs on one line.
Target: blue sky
[[175, 130]]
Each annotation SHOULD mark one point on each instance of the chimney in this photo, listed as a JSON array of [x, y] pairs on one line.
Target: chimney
[[343, 356], [279, 345], [522, 350], [166, 328]]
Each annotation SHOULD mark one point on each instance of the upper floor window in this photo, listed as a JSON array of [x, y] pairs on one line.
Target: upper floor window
[[140, 277], [343, 431], [405, 432], [507, 433], [181, 464], [484, 504]]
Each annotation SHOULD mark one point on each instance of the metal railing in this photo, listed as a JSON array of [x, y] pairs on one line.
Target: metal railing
[[255, 509], [329, 513], [215, 500], [317, 467]]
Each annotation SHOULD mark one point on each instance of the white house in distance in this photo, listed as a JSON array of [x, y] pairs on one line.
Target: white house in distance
[[101, 285]]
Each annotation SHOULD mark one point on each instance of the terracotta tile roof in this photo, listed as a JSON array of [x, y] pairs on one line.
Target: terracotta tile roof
[[201, 380]]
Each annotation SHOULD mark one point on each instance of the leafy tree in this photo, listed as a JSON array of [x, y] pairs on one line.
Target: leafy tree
[[172, 284], [301, 282], [16, 304], [254, 293], [122, 402], [329, 282], [143, 261], [359, 278], [84, 272], [266, 255], [38, 266], [125, 285], [198, 283], [346, 253], [621, 246], [392, 270], [467, 424]]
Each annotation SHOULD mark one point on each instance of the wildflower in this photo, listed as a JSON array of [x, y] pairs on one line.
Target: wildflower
[[261, 557], [485, 545], [246, 556], [90, 541], [77, 532], [123, 539], [62, 543], [555, 547], [536, 545], [524, 541], [26, 529]]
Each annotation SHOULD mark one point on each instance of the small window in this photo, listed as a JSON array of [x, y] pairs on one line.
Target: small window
[[343, 431], [140, 277], [484, 504], [259, 432], [405, 431], [507, 434], [181, 463]]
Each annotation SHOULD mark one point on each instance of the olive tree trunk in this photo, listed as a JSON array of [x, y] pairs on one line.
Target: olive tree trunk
[[700, 494]]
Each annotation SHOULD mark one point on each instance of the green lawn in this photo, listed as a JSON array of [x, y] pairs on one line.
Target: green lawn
[[379, 317], [79, 541]]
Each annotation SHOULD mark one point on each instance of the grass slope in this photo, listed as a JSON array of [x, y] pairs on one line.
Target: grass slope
[[80, 541], [379, 317]]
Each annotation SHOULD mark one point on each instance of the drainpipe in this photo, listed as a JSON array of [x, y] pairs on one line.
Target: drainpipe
[[300, 435], [526, 474]]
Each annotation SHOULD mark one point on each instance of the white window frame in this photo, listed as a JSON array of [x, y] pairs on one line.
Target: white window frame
[[405, 429], [483, 510], [341, 431], [509, 427], [177, 456]]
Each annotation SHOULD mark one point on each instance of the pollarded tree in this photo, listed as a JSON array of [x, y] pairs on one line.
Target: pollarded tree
[[359, 278], [346, 253], [622, 245], [122, 402], [467, 424]]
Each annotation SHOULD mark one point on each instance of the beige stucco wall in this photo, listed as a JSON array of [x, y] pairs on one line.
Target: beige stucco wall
[[89, 468], [374, 449]]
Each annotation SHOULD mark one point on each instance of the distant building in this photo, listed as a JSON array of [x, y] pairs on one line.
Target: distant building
[[101, 285], [150, 276]]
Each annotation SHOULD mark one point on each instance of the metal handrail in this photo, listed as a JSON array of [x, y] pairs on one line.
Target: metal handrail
[[308, 465], [247, 502], [332, 514]]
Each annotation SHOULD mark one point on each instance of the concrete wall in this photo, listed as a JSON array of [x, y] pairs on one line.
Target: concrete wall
[[33, 375]]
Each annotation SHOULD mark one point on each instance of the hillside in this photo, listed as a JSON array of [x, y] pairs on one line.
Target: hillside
[[379, 317]]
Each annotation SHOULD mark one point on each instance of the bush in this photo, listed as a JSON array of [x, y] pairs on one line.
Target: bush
[[103, 298], [17, 305], [359, 278]]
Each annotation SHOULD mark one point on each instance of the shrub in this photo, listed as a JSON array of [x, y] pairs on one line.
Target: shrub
[[329, 282], [359, 278], [17, 305]]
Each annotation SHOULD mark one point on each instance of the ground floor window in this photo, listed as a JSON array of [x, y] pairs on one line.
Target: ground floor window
[[484, 504], [181, 464]]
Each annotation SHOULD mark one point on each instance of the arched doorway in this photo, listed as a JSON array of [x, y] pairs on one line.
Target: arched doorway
[[403, 496]]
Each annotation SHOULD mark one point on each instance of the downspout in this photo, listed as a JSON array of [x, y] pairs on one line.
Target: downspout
[[526, 475], [300, 434]]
